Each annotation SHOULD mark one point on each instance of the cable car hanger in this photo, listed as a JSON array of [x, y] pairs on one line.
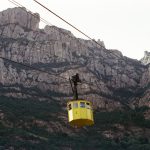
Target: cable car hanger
[[80, 112]]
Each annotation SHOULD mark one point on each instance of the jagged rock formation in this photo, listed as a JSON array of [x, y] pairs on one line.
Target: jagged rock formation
[[110, 79], [20, 17], [146, 59]]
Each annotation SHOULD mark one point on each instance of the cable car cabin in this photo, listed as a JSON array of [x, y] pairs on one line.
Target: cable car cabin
[[80, 113]]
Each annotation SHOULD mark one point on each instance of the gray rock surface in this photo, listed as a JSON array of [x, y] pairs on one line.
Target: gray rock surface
[[109, 78], [21, 17], [146, 59]]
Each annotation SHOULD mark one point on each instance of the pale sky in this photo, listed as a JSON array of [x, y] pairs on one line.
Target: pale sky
[[121, 24]]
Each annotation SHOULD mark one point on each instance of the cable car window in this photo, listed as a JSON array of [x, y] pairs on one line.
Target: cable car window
[[82, 104], [75, 105], [69, 107], [88, 106]]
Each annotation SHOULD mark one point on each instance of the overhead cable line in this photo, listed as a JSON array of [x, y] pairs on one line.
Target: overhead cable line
[[47, 23], [31, 67], [40, 70], [43, 20], [22, 7], [67, 22], [73, 26]]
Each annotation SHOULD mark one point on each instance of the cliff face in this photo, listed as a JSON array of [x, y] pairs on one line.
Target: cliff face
[[109, 78]]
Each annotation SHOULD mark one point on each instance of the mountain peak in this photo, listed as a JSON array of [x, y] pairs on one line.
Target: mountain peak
[[20, 16]]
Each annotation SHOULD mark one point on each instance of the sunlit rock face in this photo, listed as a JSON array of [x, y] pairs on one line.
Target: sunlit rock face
[[109, 78]]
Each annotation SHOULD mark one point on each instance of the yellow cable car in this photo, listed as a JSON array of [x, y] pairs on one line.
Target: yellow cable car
[[80, 112]]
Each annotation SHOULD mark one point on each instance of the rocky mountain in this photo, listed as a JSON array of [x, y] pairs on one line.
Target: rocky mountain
[[108, 75], [109, 79]]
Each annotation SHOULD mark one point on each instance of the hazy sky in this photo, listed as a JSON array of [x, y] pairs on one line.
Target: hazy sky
[[121, 24]]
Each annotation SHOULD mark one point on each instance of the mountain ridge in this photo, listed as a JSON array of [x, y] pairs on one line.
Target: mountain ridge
[[22, 41]]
